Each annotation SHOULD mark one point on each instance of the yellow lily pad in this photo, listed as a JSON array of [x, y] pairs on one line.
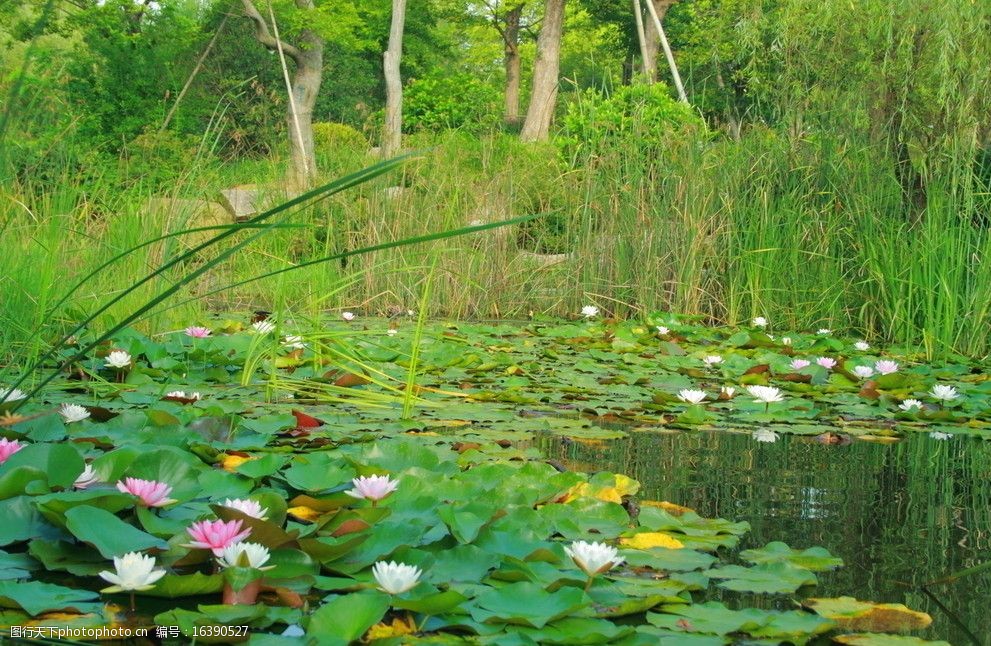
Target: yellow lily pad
[[397, 628], [622, 486], [867, 616], [231, 462], [875, 639], [648, 540], [304, 513], [670, 507]]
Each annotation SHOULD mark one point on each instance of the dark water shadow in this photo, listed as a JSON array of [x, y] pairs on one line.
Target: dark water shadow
[[899, 515]]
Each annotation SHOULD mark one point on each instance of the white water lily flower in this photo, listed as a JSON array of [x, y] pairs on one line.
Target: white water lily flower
[[759, 321], [798, 364], [181, 394], [765, 394], [593, 558], [826, 362], [786, 340], [294, 342], [86, 478], [263, 327], [392, 331], [712, 360], [12, 395], [118, 359], [938, 435], [242, 554], [247, 507], [885, 367], [863, 372], [910, 404], [863, 346], [134, 571], [590, 311], [825, 331], [765, 435], [396, 578], [348, 316], [727, 390], [663, 331], [691, 396], [944, 393], [73, 413]]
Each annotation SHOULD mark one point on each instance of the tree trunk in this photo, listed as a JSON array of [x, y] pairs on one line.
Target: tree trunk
[[642, 41], [652, 42], [668, 54], [511, 60], [303, 88], [545, 74], [393, 133]]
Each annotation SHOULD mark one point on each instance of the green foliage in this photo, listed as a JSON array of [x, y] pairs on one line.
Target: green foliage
[[443, 100], [640, 117], [328, 137], [158, 157]]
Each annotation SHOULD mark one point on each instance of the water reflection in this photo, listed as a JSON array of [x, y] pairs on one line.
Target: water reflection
[[898, 514]]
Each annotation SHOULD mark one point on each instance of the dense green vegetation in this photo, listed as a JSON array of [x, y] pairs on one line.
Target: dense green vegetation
[[835, 172]]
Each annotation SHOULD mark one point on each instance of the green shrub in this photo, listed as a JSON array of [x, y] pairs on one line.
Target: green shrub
[[158, 157], [442, 101], [636, 117], [328, 136]]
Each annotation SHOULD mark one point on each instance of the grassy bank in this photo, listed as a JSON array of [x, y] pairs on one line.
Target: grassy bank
[[809, 233]]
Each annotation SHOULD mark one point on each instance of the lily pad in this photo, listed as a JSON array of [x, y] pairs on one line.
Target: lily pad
[[779, 577], [816, 559], [866, 616]]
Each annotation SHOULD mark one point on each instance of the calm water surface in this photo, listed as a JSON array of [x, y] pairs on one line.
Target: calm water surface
[[898, 515]]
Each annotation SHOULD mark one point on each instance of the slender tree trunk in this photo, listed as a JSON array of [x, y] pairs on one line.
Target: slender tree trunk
[[303, 87], [545, 74], [393, 133], [652, 42], [629, 68], [734, 124], [656, 18], [511, 60], [642, 41]]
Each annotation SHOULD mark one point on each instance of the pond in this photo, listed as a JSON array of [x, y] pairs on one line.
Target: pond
[[898, 515], [540, 481]]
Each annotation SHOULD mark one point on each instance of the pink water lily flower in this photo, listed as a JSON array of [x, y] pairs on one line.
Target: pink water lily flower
[[150, 493], [886, 367], [826, 362], [8, 448], [373, 488], [798, 364], [197, 332], [216, 535]]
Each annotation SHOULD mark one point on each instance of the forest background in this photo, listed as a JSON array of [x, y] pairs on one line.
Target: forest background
[[831, 166]]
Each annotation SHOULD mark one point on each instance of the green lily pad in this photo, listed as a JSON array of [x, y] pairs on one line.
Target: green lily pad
[[816, 559], [35, 597], [779, 577], [108, 534], [526, 604]]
